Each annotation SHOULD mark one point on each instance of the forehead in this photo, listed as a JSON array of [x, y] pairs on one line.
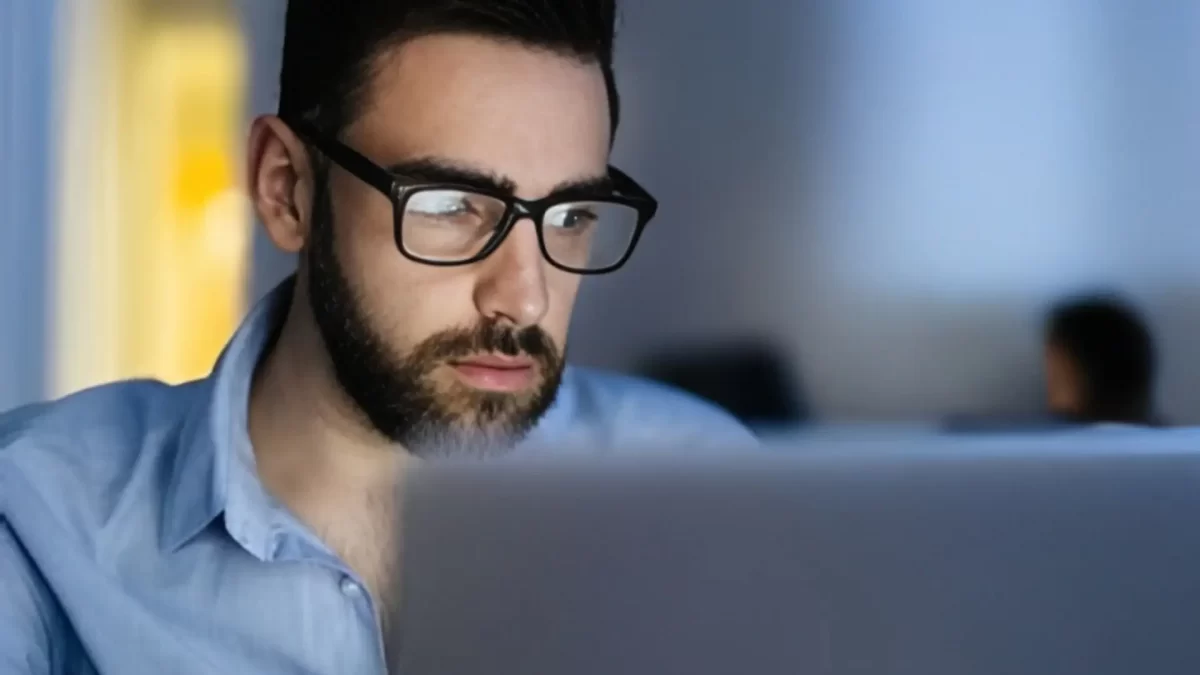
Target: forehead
[[531, 115]]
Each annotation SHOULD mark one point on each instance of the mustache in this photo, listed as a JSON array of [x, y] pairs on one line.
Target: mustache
[[491, 337]]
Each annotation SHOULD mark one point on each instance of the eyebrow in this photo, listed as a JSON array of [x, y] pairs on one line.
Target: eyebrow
[[432, 170]]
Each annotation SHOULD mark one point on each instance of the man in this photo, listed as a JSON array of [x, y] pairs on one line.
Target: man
[[1100, 363], [244, 523]]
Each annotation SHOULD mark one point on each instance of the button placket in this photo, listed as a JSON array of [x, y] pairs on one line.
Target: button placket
[[350, 588], [353, 590]]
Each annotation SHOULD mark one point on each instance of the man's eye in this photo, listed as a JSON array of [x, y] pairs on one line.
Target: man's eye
[[574, 218], [442, 204]]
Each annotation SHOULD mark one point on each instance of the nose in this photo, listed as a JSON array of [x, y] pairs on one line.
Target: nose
[[512, 285]]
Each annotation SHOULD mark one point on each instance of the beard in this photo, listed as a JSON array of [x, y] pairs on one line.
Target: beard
[[399, 394]]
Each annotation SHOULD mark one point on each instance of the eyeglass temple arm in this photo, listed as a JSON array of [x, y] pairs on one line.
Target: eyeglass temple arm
[[379, 178], [348, 158], [624, 184]]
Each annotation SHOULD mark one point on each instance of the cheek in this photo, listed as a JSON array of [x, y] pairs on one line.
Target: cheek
[[1060, 384], [414, 301], [364, 242], [1053, 377], [363, 215], [404, 301], [562, 289]]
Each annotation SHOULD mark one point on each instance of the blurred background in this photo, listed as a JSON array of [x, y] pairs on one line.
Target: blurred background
[[868, 206]]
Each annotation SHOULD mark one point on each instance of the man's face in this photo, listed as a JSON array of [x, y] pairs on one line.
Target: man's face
[[442, 358], [1063, 390]]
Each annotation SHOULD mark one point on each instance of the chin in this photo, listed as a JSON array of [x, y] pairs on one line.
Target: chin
[[466, 440], [482, 410]]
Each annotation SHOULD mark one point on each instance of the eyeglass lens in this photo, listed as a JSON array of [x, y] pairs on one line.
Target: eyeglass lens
[[455, 225]]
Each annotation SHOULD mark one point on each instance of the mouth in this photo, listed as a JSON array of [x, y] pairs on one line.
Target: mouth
[[488, 372]]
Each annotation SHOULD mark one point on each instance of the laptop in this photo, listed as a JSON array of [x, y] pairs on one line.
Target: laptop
[[926, 557]]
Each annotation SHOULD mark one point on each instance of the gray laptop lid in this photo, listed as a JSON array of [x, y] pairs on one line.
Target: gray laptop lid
[[970, 563]]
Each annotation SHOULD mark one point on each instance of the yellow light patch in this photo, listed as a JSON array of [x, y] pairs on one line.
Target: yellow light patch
[[156, 278], [203, 174]]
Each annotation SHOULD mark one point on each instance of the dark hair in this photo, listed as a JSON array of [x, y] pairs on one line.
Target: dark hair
[[1113, 352], [330, 45]]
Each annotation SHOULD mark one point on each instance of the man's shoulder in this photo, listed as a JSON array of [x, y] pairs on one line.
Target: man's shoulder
[[96, 414], [87, 444], [636, 409]]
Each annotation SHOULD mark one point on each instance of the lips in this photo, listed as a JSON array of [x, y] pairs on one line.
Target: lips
[[496, 361], [495, 373]]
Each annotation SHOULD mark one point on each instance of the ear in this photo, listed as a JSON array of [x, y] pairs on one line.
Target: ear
[[281, 185]]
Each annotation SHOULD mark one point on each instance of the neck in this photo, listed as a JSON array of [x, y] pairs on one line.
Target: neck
[[312, 446]]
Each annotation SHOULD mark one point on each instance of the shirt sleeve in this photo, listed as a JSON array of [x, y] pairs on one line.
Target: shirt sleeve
[[25, 616]]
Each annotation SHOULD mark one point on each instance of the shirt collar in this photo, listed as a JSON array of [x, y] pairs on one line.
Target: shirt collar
[[214, 471]]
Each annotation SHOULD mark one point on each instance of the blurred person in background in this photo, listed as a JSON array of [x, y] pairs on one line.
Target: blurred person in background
[[1099, 363], [441, 168], [750, 379]]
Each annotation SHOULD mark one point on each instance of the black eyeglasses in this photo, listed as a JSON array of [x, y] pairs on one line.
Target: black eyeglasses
[[587, 229]]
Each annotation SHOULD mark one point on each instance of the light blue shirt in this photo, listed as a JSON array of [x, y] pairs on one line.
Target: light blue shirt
[[136, 537]]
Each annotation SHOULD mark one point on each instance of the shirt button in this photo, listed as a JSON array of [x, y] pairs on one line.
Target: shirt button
[[350, 587]]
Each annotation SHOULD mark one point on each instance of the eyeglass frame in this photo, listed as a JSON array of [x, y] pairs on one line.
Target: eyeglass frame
[[626, 192]]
